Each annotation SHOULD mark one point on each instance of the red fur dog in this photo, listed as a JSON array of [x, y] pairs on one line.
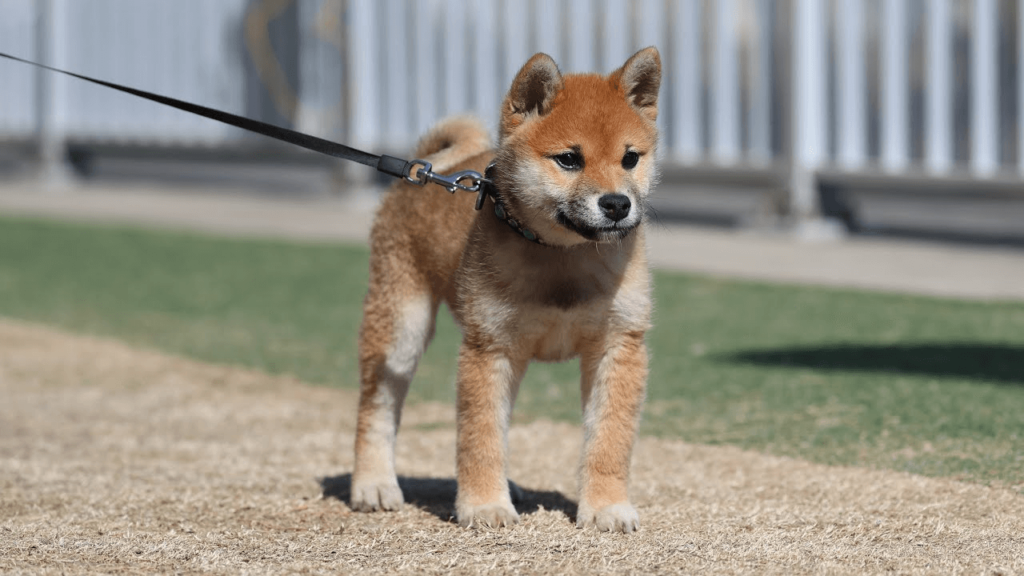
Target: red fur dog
[[552, 268]]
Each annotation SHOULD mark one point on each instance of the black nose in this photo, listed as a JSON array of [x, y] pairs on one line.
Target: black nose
[[615, 206]]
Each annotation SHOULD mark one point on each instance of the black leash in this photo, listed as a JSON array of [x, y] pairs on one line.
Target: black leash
[[415, 171]]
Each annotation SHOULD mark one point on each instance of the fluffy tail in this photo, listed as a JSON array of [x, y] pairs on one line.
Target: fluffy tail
[[452, 141]]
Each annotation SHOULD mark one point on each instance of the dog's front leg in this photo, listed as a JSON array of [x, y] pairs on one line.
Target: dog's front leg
[[614, 384], [487, 386]]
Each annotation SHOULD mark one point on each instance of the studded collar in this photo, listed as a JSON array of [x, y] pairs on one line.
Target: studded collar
[[487, 188]]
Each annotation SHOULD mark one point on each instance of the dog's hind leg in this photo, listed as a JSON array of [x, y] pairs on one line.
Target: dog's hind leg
[[398, 321]]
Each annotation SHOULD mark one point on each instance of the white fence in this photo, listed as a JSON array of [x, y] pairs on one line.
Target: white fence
[[180, 49], [885, 87], [891, 86], [221, 54], [458, 55]]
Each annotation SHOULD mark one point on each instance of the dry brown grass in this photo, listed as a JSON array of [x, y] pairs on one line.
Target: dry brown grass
[[114, 460]]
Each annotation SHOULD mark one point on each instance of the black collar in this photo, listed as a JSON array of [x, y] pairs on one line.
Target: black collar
[[487, 188]]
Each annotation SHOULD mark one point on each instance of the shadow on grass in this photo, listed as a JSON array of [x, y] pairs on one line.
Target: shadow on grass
[[437, 496], [993, 362]]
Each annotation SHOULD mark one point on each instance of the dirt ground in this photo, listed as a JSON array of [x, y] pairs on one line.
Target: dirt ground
[[116, 460]]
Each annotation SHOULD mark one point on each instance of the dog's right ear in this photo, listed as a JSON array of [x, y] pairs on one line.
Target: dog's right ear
[[532, 92]]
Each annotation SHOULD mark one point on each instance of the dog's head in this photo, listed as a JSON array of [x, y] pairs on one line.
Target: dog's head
[[576, 157]]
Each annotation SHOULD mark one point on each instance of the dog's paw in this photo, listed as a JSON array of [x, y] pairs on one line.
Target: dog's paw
[[492, 515], [612, 518], [370, 497]]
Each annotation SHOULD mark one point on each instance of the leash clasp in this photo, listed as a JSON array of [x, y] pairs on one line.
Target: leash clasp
[[465, 180]]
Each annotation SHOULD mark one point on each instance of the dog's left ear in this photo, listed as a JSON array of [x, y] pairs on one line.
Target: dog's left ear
[[533, 90], [639, 80]]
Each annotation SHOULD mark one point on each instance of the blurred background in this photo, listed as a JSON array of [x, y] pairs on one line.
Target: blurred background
[[820, 117]]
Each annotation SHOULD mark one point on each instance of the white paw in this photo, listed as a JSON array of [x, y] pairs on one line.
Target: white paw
[[492, 515], [370, 496], [612, 518]]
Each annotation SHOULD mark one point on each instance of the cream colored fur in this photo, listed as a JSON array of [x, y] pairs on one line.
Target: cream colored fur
[[585, 293]]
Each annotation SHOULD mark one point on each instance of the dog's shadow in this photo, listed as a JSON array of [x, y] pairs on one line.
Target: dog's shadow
[[437, 496]]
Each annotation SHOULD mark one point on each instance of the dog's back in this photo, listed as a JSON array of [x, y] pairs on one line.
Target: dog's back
[[425, 227]]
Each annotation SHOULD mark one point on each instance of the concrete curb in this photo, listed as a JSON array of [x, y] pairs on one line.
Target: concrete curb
[[898, 266]]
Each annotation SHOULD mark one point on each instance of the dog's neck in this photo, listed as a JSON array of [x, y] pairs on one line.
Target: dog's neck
[[501, 208]]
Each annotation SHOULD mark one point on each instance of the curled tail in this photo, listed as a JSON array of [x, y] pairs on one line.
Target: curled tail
[[453, 140]]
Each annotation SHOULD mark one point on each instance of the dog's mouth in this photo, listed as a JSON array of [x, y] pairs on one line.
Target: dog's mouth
[[613, 232]]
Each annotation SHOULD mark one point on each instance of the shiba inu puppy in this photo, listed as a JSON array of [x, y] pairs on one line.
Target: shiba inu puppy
[[553, 267]]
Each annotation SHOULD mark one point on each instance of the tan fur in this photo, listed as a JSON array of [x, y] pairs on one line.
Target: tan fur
[[585, 294]]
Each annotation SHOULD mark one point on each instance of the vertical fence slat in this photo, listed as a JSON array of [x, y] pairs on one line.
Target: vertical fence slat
[[852, 87], [187, 45], [809, 83], [615, 34], [650, 32], [725, 104], [19, 114], [424, 70], [686, 81], [759, 78], [77, 101], [363, 86], [808, 106], [984, 85], [486, 80], [939, 94], [395, 75], [163, 13], [894, 119], [21, 36], [547, 27], [192, 37], [49, 98], [1020, 86], [117, 109], [581, 24], [172, 18], [455, 61], [515, 22], [61, 85], [206, 48]]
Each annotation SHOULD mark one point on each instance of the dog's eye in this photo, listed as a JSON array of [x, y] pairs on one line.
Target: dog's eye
[[630, 160], [570, 160]]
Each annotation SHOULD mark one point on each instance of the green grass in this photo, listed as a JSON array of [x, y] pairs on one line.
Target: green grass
[[924, 385]]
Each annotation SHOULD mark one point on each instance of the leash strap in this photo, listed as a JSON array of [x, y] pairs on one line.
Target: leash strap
[[387, 164], [417, 172]]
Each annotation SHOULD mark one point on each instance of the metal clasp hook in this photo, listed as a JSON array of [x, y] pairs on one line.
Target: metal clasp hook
[[455, 181], [451, 183]]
